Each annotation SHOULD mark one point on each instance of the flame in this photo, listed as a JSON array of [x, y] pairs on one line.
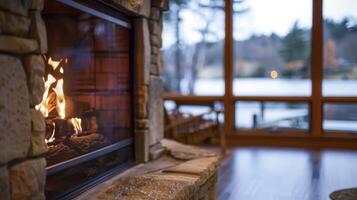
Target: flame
[[45, 107], [54, 63], [55, 98], [61, 103], [77, 124], [52, 138]]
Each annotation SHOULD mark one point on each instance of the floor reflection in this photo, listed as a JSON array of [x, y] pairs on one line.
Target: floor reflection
[[285, 174]]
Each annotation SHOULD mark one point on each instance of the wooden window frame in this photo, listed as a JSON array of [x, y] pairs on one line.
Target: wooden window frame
[[315, 101]]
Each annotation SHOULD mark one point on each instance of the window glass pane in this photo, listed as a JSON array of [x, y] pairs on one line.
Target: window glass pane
[[272, 47], [272, 115], [194, 110], [193, 47], [340, 48], [340, 117]]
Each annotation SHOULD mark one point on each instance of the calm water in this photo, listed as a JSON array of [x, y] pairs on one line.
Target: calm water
[[278, 115], [275, 87]]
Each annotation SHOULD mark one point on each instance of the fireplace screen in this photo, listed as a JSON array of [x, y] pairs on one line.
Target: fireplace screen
[[88, 94]]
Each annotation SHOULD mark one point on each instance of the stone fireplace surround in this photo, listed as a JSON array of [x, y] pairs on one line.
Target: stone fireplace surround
[[22, 41]]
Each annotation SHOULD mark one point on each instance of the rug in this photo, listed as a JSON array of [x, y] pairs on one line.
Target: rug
[[345, 194]]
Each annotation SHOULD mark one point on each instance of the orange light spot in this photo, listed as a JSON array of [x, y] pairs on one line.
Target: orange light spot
[[274, 74]]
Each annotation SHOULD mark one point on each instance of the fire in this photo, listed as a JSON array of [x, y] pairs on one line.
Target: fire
[[54, 63], [54, 98], [45, 106], [77, 124], [61, 103], [52, 138]]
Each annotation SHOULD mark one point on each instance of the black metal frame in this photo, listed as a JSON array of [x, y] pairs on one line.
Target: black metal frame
[[107, 12], [99, 9], [79, 189], [86, 157]]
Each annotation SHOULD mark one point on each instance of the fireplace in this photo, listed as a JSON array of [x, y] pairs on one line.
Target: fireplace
[[87, 101], [81, 85]]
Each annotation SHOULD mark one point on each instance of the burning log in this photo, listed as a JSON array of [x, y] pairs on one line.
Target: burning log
[[60, 152], [75, 146], [71, 127], [60, 128], [87, 143]]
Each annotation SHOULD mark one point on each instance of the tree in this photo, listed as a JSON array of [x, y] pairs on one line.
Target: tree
[[176, 7], [205, 10], [336, 30], [199, 56], [294, 45]]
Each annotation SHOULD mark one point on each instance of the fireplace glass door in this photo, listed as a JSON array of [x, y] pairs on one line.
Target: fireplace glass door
[[87, 103]]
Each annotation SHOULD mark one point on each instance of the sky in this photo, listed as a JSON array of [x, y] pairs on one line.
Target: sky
[[263, 17]]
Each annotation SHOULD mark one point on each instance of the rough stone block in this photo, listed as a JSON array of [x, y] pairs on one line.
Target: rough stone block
[[156, 110], [161, 4], [202, 167], [36, 5], [38, 31], [16, 6], [4, 183], [38, 144], [157, 68], [154, 59], [154, 50], [153, 69], [38, 125], [17, 45], [156, 151], [35, 69], [15, 120], [155, 13], [143, 51], [156, 40], [14, 24], [185, 152], [141, 145], [155, 28], [160, 67], [27, 179]]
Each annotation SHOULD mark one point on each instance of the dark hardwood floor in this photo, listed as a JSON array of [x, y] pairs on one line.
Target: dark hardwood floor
[[285, 174]]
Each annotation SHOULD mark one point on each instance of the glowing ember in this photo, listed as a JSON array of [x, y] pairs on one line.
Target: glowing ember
[[77, 124]]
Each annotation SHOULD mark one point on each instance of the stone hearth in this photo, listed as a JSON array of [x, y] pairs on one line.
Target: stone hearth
[[183, 173]]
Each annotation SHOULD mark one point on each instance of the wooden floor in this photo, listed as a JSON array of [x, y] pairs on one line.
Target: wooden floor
[[285, 174]]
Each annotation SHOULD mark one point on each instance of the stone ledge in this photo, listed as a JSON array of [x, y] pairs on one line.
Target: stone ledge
[[167, 178], [17, 45]]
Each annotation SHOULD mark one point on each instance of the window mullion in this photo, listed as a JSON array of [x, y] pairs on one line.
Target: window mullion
[[317, 68]]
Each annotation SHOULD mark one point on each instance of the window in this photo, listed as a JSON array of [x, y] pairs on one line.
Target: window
[[272, 48], [268, 54], [272, 115], [340, 48], [193, 40], [340, 117]]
